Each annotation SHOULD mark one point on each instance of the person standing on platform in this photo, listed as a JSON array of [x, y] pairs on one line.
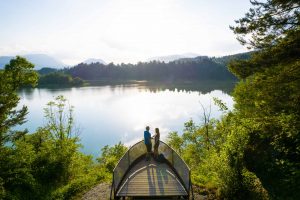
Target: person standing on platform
[[147, 140], [156, 142]]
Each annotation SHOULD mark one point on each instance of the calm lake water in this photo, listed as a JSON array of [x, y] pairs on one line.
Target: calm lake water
[[108, 114]]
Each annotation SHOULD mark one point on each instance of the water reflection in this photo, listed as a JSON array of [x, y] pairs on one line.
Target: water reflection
[[110, 113], [27, 92]]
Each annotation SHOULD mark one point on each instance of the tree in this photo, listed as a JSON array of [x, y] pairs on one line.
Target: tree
[[175, 141], [59, 79], [60, 121], [267, 22], [19, 72], [47, 164], [200, 68], [111, 155], [272, 29], [267, 97]]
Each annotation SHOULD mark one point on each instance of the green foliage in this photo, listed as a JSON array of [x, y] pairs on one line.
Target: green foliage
[[217, 158], [175, 141], [47, 164], [285, 52], [60, 119], [261, 150], [225, 60], [272, 27], [269, 101], [111, 155], [202, 68], [46, 70], [252, 152], [59, 79], [220, 104], [268, 97], [17, 73], [74, 187], [14, 165], [267, 22]]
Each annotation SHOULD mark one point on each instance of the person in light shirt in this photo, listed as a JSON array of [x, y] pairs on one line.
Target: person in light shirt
[[156, 143]]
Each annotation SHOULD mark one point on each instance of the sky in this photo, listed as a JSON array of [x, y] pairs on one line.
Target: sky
[[119, 30]]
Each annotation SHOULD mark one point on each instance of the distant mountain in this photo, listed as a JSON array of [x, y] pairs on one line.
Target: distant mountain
[[226, 59], [194, 59], [223, 60], [94, 60], [170, 58], [39, 60], [4, 60], [46, 70]]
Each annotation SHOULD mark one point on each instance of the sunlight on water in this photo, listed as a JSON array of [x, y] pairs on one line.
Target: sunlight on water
[[109, 114]]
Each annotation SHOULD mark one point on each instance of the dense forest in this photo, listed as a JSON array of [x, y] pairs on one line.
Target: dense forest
[[199, 68], [252, 152], [59, 79]]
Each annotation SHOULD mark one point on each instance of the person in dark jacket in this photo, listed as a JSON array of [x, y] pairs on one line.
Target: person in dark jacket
[[147, 140], [156, 142]]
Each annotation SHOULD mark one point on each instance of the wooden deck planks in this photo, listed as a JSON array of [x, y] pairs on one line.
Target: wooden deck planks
[[150, 178]]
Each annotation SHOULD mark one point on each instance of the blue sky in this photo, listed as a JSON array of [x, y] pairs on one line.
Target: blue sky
[[119, 30]]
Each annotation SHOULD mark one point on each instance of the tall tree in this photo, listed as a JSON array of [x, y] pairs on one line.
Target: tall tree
[[267, 22], [269, 94], [272, 29], [19, 72]]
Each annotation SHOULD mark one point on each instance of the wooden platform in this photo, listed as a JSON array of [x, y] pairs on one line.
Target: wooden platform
[[150, 178]]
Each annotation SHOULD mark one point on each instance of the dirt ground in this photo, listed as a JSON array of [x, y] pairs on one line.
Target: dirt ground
[[99, 192]]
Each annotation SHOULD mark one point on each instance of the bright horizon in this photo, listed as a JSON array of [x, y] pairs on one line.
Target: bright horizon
[[118, 30]]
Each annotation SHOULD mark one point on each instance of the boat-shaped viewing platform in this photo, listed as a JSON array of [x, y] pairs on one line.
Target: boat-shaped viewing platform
[[136, 178]]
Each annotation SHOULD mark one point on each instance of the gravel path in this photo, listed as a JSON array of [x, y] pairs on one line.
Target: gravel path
[[99, 192]]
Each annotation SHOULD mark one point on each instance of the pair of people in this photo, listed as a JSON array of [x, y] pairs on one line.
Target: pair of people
[[148, 143]]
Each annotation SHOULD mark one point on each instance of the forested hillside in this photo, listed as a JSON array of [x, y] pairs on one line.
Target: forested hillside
[[200, 68], [253, 152], [194, 69]]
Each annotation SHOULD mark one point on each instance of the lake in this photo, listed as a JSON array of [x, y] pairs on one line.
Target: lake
[[107, 114]]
